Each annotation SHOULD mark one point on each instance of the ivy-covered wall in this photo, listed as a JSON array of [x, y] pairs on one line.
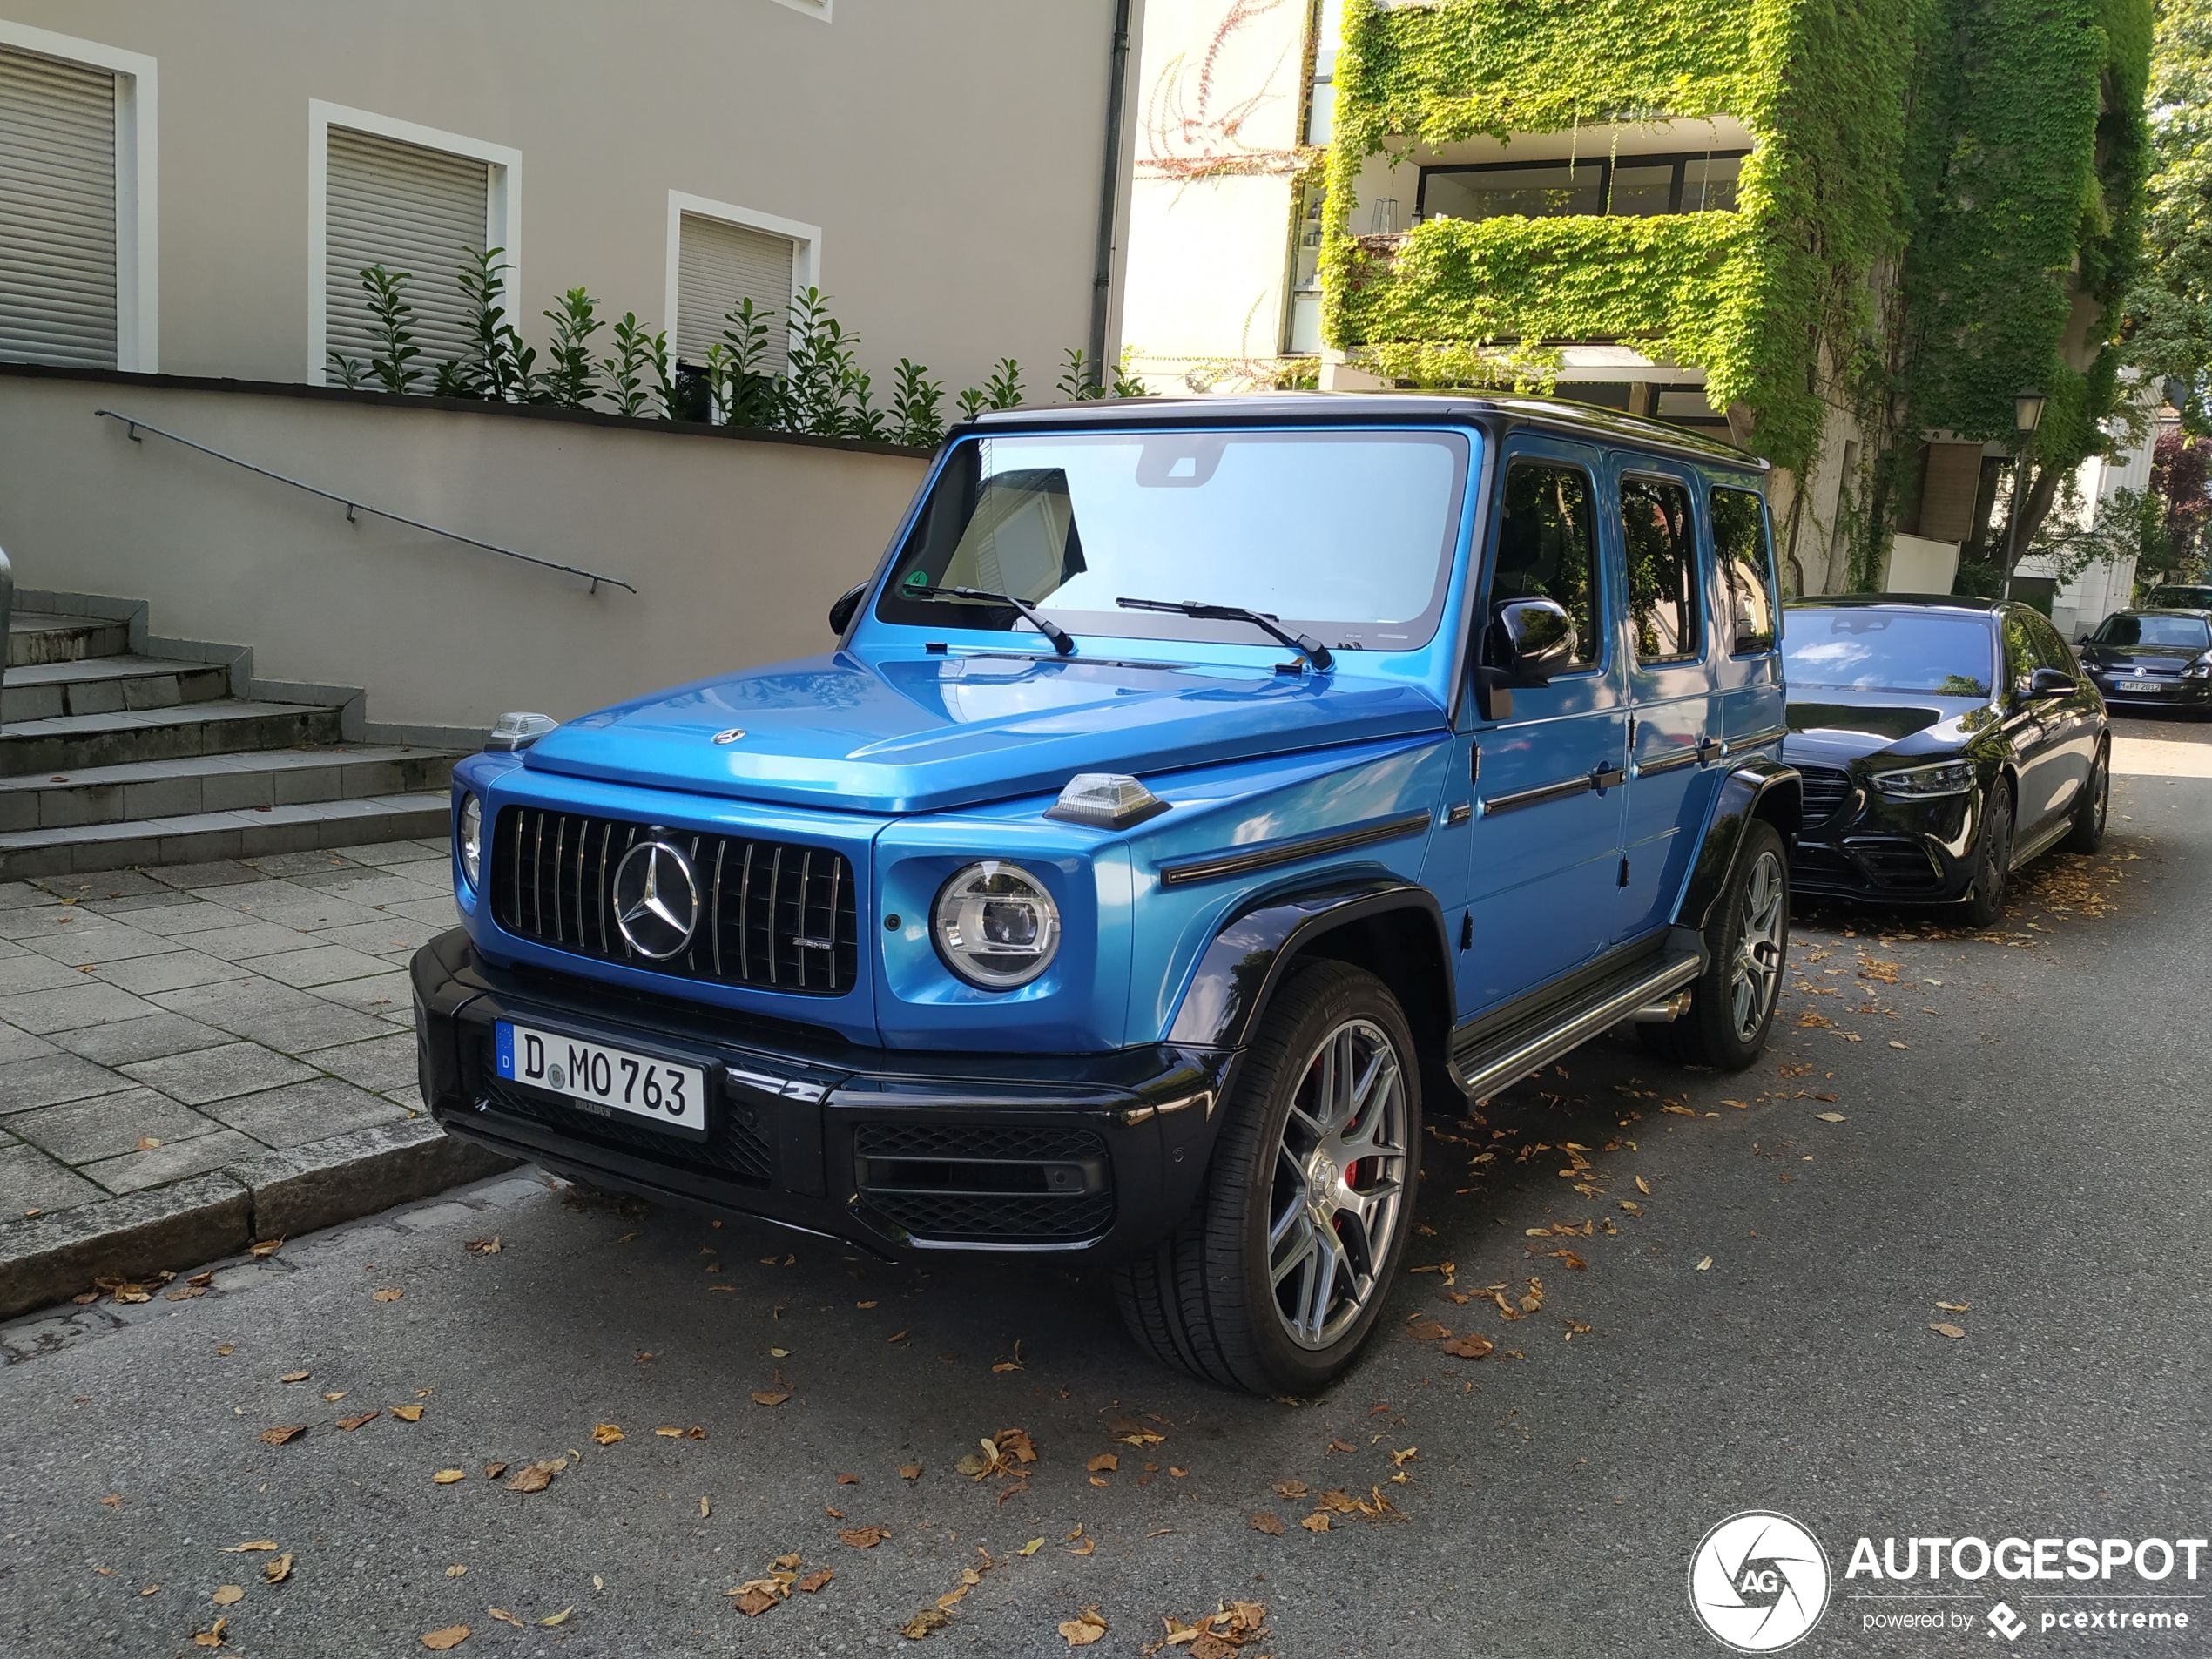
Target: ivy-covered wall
[[1747, 295], [1925, 178]]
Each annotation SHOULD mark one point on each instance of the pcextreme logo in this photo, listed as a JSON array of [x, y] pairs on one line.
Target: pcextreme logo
[[1758, 1583]]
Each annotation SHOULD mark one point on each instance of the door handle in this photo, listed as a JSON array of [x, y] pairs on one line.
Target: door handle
[[1605, 777], [1710, 750]]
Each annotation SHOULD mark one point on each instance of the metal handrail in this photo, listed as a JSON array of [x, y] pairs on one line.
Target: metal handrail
[[132, 424]]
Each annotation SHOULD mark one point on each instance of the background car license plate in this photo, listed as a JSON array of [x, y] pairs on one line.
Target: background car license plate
[[673, 1096], [2135, 686]]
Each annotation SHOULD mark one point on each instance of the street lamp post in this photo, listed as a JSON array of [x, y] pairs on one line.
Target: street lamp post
[[2027, 411]]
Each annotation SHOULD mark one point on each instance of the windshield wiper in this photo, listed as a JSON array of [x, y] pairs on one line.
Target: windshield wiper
[[1062, 641], [1305, 644]]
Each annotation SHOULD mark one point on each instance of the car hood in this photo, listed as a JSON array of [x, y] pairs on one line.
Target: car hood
[[2166, 656], [1831, 726], [907, 734]]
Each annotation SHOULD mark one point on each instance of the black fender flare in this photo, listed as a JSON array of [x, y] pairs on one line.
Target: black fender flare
[[1240, 970], [1756, 786]]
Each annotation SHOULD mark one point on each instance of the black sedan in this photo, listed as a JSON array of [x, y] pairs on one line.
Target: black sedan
[[1944, 742], [2153, 659]]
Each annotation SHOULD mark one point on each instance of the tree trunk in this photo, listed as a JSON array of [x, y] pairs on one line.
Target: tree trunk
[[2042, 490]]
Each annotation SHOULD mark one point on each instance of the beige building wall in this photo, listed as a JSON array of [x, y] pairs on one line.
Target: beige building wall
[[950, 152], [737, 544]]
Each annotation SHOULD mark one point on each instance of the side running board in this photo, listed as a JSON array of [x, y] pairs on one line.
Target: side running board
[[1492, 1061]]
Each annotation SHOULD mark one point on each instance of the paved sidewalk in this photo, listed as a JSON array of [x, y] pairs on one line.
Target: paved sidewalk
[[195, 1037]]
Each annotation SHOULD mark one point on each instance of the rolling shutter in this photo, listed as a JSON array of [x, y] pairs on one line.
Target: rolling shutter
[[58, 231], [407, 209], [719, 264]]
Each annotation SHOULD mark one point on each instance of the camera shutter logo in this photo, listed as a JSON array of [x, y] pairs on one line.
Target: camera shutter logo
[[657, 900], [1758, 1583]]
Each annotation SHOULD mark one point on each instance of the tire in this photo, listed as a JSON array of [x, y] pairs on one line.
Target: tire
[[2087, 833], [1207, 1299], [1993, 859], [1732, 1002]]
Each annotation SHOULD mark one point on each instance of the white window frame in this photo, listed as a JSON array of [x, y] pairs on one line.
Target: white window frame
[[817, 8], [503, 217], [805, 239], [138, 223]]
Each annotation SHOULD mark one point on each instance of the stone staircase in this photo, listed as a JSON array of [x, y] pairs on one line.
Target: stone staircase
[[111, 756]]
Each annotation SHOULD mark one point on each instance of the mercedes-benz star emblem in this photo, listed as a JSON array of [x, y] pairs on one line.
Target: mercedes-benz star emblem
[[731, 736], [657, 900]]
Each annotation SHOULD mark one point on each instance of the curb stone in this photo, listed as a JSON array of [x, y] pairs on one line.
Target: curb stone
[[265, 1195]]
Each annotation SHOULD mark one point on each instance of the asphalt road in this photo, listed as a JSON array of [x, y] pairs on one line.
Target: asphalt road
[[2022, 1134]]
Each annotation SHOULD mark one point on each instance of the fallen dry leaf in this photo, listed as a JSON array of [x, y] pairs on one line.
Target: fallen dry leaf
[[1269, 1522], [552, 1619], [391, 1293], [505, 1617], [1829, 1117], [407, 1414], [1643, 1186], [287, 1432], [447, 1477], [293, 1376], [863, 1537], [1943, 1330], [535, 1477], [1954, 1307], [1291, 1488], [752, 1600], [1318, 1521], [333, 1396], [606, 1434], [1472, 1346], [669, 1433], [1705, 1263], [1082, 1632], [349, 1424], [266, 1247], [212, 1636], [910, 1470], [277, 1571], [452, 1636], [848, 1480], [483, 1246], [227, 1595], [813, 1581], [770, 1396], [1104, 1463], [251, 1546], [923, 1622], [493, 1471]]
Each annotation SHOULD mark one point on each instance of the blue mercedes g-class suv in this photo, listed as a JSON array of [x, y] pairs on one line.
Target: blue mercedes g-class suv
[[1198, 791]]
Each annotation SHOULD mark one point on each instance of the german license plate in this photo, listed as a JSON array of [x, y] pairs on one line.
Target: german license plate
[[598, 1075], [2136, 685]]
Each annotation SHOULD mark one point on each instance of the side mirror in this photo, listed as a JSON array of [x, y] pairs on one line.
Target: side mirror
[[2051, 682], [1530, 640], [841, 614]]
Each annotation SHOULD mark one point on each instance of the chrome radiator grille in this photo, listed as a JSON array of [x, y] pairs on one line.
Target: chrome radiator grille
[[768, 915]]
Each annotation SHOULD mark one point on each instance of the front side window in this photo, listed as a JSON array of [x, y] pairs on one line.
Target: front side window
[[1865, 649], [1661, 541], [1740, 544], [2190, 632], [1348, 536], [1548, 549], [1631, 186]]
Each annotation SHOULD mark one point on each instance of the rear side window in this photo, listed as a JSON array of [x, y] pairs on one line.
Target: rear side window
[[1547, 548], [1739, 541], [1661, 543]]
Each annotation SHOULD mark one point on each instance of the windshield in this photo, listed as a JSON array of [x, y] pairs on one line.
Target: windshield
[[1347, 535], [2192, 633], [1888, 651]]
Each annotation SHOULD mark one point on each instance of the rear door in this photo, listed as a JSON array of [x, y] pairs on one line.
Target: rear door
[[1672, 695], [1542, 881]]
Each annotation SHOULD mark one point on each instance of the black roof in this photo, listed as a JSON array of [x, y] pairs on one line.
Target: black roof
[[1578, 420], [1970, 602], [2165, 610]]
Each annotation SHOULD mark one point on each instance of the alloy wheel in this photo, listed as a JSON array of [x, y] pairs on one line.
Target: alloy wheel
[[1756, 975], [1339, 1189]]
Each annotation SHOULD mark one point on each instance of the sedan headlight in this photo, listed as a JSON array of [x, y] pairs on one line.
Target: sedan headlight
[[1918, 783], [996, 925], [2199, 670], [469, 840]]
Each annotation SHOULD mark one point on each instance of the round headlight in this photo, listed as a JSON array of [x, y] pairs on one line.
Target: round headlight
[[470, 841], [996, 925]]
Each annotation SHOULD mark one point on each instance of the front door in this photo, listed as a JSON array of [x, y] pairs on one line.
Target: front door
[[1544, 878]]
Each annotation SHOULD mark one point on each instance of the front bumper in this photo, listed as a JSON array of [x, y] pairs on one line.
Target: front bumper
[[2175, 692], [895, 1153], [1896, 851]]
